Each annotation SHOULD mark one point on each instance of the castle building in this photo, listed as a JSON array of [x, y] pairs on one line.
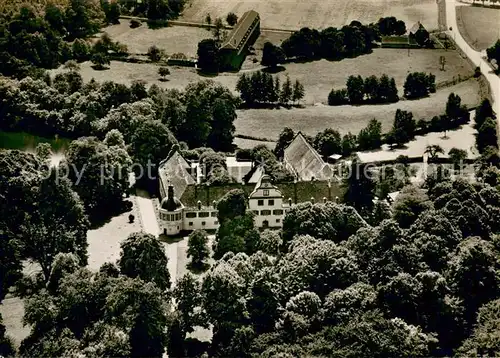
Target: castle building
[[265, 201], [188, 204]]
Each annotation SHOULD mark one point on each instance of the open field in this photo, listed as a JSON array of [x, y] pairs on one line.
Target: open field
[[316, 13], [479, 26], [250, 143], [318, 77], [269, 123], [125, 72], [172, 39]]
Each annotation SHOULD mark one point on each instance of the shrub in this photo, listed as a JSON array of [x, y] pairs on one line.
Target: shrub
[[163, 71], [100, 60], [232, 19], [155, 54], [135, 23]]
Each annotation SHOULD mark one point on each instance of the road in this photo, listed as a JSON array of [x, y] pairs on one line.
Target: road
[[475, 56]]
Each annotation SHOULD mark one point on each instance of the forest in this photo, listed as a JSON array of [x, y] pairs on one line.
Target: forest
[[354, 277], [359, 278]]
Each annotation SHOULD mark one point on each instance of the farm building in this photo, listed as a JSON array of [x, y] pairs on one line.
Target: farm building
[[419, 34], [235, 47], [417, 37]]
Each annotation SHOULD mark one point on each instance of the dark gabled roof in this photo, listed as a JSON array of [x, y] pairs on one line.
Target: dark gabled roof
[[416, 27], [174, 171], [304, 159], [237, 37]]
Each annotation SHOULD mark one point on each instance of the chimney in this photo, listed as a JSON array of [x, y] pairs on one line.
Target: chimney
[[312, 200], [290, 202], [324, 200]]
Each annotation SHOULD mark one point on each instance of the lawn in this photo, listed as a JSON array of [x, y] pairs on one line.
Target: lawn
[[104, 242], [479, 26], [12, 311], [316, 13], [172, 39], [269, 123]]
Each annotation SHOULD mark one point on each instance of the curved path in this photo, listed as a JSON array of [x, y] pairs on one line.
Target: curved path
[[478, 58]]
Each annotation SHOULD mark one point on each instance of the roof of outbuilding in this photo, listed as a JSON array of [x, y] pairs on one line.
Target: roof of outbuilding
[[304, 159], [239, 32], [416, 27]]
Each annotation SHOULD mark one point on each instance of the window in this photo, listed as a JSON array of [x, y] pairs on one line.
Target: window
[[260, 202], [203, 214], [213, 214], [278, 221], [191, 215], [271, 202], [265, 212], [177, 216], [190, 223], [266, 192], [203, 223], [256, 212], [216, 222], [278, 212]]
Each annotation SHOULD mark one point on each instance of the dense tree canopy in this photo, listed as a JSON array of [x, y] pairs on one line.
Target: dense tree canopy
[[143, 256], [99, 172], [419, 84]]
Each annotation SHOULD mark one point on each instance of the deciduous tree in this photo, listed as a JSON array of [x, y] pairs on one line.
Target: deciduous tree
[[198, 249], [143, 256], [231, 19], [272, 55], [208, 56]]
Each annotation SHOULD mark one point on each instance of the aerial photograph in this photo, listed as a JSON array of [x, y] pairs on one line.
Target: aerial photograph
[[249, 179]]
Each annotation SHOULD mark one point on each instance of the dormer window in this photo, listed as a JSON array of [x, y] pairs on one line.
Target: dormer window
[[266, 192]]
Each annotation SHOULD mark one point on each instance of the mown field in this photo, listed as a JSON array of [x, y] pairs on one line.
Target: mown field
[[318, 77], [479, 26], [312, 119], [316, 13], [172, 39]]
